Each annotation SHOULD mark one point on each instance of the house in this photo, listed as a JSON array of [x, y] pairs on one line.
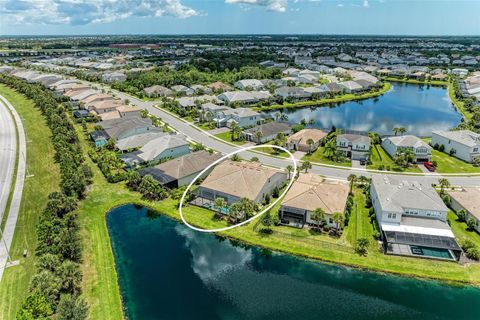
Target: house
[[126, 127], [127, 111], [76, 96], [200, 89], [182, 170], [162, 147], [98, 97], [334, 87], [421, 150], [190, 102], [114, 77], [310, 192], [412, 219], [354, 146], [233, 181], [243, 97], [299, 141], [139, 140], [243, 117], [103, 106], [296, 93], [157, 91], [219, 87], [183, 90], [266, 131], [462, 144], [467, 199], [249, 84], [80, 114], [351, 86]]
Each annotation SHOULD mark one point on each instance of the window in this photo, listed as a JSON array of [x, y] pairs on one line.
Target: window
[[389, 216], [394, 216], [475, 149]]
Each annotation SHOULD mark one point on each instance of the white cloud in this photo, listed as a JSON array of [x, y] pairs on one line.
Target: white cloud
[[272, 5], [339, 5], [80, 12], [365, 3]]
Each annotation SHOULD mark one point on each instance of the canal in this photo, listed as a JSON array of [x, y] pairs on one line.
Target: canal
[[418, 108], [167, 271]]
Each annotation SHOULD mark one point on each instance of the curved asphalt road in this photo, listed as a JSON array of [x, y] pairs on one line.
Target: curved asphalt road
[[8, 153], [327, 171]]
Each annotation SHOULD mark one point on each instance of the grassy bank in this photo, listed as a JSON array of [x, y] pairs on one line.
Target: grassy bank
[[459, 104], [437, 83], [45, 179], [343, 98]]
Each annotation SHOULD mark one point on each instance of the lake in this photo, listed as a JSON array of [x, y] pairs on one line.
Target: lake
[[167, 271], [420, 109]]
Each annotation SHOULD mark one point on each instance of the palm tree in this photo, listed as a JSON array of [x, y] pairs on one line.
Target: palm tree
[[362, 245], [236, 157], [248, 207], [339, 219], [259, 136], [318, 215], [402, 130], [289, 169], [396, 130], [306, 165], [235, 212], [277, 115], [219, 204], [284, 117], [234, 130], [310, 143], [330, 149], [444, 184], [352, 179]]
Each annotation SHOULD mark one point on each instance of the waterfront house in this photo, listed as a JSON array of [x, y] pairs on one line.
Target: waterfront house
[[310, 192], [191, 102], [182, 170], [468, 199], [351, 86], [462, 144], [412, 219], [234, 180], [297, 93], [398, 144], [211, 110], [243, 117], [354, 146], [299, 141], [266, 131], [242, 97]]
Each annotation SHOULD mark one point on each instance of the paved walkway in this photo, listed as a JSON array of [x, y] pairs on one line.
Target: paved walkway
[[11, 222], [336, 172]]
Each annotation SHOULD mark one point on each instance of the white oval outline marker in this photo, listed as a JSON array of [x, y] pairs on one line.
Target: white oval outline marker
[[180, 207]]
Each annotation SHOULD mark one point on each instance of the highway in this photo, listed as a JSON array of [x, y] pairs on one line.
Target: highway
[[327, 171], [8, 155]]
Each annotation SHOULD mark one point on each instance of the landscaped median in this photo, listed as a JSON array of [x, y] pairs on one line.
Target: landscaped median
[[342, 98]]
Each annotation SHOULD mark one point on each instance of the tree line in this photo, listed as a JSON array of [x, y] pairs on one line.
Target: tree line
[[55, 289]]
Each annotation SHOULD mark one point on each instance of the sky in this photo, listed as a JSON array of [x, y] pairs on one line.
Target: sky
[[363, 17]]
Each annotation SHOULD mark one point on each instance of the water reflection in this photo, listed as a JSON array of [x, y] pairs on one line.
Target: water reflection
[[420, 109]]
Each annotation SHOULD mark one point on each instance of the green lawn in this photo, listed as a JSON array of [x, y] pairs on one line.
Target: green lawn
[[45, 180], [449, 164], [378, 157], [272, 151], [460, 229], [227, 136], [359, 225], [319, 157]]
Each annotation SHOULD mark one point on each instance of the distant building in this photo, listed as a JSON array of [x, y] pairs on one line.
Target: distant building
[[266, 131], [467, 199]]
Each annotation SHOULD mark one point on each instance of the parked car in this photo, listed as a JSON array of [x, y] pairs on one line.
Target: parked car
[[430, 166]]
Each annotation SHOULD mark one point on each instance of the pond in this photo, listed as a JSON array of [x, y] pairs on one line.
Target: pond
[[419, 109], [167, 271]]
